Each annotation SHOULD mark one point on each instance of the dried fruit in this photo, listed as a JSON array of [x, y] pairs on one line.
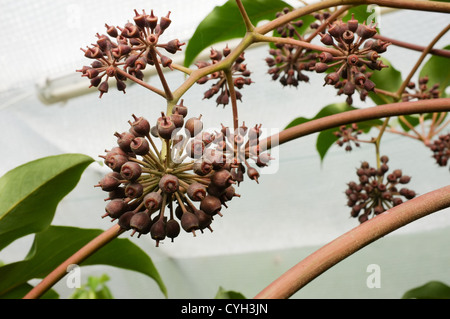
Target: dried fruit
[[239, 73], [147, 180], [376, 191], [125, 51]]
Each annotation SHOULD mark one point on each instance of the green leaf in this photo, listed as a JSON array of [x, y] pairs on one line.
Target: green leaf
[[20, 291], [430, 290], [361, 13], [388, 79], [228, 294], [225, 22], [54, 245], [30, 193], [326, 138], [437, 69]]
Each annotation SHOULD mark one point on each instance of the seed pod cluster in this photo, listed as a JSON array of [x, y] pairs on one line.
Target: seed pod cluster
[[133, 46], [441, 149], [376, 190], [421, 91], [348, 136], [183, 188], [357, 56], [288, 63], [239, 72]]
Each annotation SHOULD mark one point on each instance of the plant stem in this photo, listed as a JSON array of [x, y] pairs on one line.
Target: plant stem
[[357, 238], [77, 258], [161, 74], [221, 65], [420, 60], [377, 141], [234, 107], [415, 47], [354, 116], [302, 44], [181, 68], [384, 92], [248, 24], [420, 5], [140, 82]]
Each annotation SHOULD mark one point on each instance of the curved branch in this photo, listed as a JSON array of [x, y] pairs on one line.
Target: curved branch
[[357, 238], [77, 258], [354, 116], [411, 46], [401, 4]]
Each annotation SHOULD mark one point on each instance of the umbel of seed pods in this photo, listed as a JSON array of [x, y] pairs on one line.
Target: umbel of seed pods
[[288, 63], [219, 87], [376, 190], [441, 149], [350, 70], [421, 91], [131, 48], [182, 186], [348, 136]]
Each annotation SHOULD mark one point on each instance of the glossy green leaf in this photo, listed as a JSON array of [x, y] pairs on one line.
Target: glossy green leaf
[[225, 22], [361, 13], [20, 291], [30, 193], [326, 138], [54, 245], [228, 294], [388, 79], [430, 290], [437, 69]]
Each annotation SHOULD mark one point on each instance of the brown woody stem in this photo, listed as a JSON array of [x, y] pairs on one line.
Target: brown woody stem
[[411, 46], [421, 5], [162, 78], [354, 116], [357, 238], [77, 258]]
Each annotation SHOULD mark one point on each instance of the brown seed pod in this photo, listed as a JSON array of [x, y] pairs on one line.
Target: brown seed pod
[[140, 126], [222, 179], [140, 223], [165, 127], [196, 191], [152, 201], [140, 146], [211, 205], [194, 125], [169, 183], [189, 222], [172, 229], [158, 231]]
